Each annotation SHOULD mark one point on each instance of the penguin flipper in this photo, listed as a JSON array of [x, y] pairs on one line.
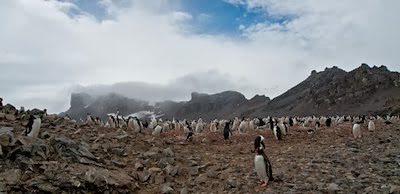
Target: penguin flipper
[[268, 167]]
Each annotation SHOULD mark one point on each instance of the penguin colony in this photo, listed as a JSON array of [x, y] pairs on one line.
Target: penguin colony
[[279, 127]]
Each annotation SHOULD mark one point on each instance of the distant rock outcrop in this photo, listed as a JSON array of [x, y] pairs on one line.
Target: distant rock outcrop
[[364, 90]]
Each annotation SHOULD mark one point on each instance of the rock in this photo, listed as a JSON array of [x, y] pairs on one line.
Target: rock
[[155, 170], [184, 190], [212, 174], [1, 150], [194, 170], [11, 176], [333, 187], [167, 189], [163, 163], [150, 154], [5, 139], [139, 166], [45, 135], [201, 179], [2, 115], [168, 152], [119, 152], [122, 138], [171, 170], [144, 176], [394, 190], [159, 179], [230, 183], [11, 117]]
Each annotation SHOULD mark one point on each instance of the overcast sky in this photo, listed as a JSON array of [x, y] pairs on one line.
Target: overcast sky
[[164, 49]]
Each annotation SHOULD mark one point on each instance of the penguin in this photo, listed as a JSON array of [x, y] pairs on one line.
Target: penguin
[[388, 122], [30, 124], [261, 123], [290, 121], [227, 131], [213, 127], [317, 125], [111, 121], [157, 130], [271, 124], [89, 119], [328, 122], [98, 121], [357, 130], [262, 164], [311, 131], [34, 127], [259, 142], [277, 133], [371, 125]]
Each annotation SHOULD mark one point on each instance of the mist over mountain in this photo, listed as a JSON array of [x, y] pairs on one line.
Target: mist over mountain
[[364, 90]]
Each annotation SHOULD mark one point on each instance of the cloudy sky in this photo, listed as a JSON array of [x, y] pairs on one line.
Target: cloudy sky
[[164, 49]]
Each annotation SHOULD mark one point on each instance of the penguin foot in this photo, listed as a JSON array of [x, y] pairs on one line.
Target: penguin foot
[[264, 185], [260, 182]]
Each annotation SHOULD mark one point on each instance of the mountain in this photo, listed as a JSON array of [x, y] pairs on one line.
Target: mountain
[[227, 104], [364, 90]]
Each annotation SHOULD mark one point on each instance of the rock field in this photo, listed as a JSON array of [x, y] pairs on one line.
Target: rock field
[[73, 158]]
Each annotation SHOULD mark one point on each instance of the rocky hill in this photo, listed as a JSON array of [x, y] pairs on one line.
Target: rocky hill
[[364, 90], [227, 104]]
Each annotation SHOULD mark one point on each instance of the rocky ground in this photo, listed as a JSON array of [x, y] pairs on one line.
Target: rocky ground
[[84, 159]]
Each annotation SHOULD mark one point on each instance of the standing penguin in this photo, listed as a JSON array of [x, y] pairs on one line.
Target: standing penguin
[[33, 126], [371, 125], [277, 132], [328, 122], [227, 130], [271, 123], [157, 130], [357, 130], [261, 162]]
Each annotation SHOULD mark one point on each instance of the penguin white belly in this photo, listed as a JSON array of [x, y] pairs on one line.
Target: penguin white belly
[[357, 131], [371, 126], [157, 131], [283, 129], [275, 133], [259, 164], [35, 128]]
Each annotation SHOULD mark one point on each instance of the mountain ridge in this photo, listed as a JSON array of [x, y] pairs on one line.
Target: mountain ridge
[[364, 90]]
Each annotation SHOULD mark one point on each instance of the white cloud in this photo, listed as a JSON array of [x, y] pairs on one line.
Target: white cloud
[[44, 52]]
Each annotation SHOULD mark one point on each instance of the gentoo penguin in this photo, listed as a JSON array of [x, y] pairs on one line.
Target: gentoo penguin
[[328, 122], [371, 125], [261, 162], [33, 126], [259, 142], [357, 130], [227, 131], [290, 121], [317, 124], [271, 123], [157, 130], [277, 133]]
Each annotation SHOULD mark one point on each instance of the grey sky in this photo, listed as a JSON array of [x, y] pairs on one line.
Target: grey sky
[[46, 54]]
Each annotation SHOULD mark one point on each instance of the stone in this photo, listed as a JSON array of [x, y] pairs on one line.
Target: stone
[[11, 176], [167, 189], [1, 150], [201, 179], [184, 190], [150, 154], [394, 189], [168, 152], [171, 170], [122, 137], [144, 176], [159, 179], [139, 166], [45, 135], [5, 139], [230, 183], [2, 115], [155, 170], [333, 187], [194, 170], [11, 117]]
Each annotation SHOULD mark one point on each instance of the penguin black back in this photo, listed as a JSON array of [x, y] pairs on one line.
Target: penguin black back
[[278, 133], [29, 125]]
